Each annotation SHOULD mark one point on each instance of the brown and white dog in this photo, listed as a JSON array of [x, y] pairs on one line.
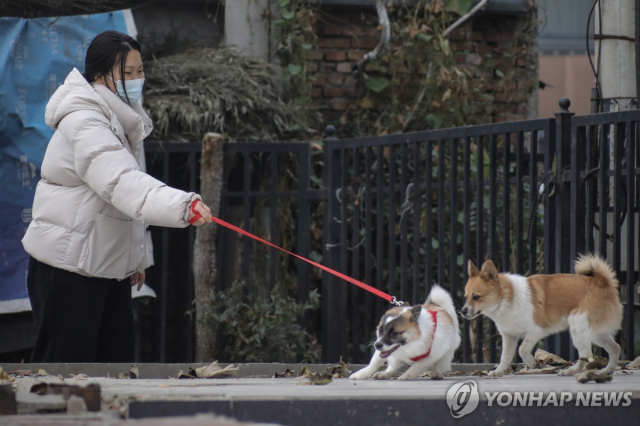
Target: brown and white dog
[[424, 337], [531, 308]]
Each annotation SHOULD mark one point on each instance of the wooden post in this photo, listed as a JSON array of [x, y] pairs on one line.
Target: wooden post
[[204, 256]]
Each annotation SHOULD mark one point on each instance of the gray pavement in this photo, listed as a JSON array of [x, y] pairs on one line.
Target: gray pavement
[[371, 402]]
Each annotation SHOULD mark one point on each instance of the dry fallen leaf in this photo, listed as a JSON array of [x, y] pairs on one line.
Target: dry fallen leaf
[[314, 378], [319, 378], [286, 375], [213, 371], [304, 370], [42, 372], [589, 375], [545, 370], [182, 375], [339, 371], [479, 373], [597, 362], [633, 364], [543, 357], [4, 377], [133, 373], [80, 376]]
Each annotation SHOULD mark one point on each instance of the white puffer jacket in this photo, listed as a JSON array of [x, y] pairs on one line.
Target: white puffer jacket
[[93, 201]]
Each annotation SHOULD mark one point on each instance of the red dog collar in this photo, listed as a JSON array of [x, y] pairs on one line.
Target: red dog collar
[[434, 315]]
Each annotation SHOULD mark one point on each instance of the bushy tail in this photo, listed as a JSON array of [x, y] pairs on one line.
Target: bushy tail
[[439, 296], [594, 266]]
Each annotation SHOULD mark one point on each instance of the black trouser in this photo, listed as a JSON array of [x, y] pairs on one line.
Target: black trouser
[[78, 318]]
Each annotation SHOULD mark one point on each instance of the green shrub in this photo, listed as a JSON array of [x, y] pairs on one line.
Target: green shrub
[[261, 326]]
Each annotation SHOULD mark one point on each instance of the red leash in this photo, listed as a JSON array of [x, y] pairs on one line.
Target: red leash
[[221, 222]]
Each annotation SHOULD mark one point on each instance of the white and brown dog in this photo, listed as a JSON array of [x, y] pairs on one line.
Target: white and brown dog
[[531, 308], [424, 337]]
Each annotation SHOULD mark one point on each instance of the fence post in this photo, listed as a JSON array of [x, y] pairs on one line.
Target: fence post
[[562, 208], [333, 295]]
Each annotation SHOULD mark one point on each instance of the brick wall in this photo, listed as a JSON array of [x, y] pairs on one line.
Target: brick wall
[[484, 46]]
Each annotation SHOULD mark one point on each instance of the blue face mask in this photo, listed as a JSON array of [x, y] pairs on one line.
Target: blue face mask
[[134, 89]]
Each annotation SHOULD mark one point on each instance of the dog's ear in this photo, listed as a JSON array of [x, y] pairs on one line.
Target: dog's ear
[[415, 311], [490, 269], [473, 271]]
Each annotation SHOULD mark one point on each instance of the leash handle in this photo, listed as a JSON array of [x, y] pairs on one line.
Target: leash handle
[[196, 213]]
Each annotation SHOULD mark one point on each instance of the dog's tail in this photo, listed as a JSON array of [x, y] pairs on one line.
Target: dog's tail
[[440, 297], [592, 265]]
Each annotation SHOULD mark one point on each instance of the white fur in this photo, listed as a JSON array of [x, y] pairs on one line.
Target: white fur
[[439, 296], [515, 320], [445, 342]]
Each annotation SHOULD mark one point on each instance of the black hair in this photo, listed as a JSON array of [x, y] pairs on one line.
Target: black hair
[[106, 50]]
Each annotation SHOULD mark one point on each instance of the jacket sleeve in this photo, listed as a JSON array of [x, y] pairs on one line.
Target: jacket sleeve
[[148, 260], [102, 161]]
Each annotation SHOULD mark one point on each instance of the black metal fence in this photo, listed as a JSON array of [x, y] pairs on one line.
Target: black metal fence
[[402, 212], [259, 177], [405, 211], [260, 180], [166, 327]]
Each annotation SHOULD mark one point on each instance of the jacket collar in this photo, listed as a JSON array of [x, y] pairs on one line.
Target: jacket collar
[[134, 120]]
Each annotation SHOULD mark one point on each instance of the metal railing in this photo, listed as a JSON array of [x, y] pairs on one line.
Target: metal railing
[[423, 212], [404, 211]]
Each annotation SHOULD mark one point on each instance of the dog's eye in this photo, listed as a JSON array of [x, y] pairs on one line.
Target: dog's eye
[[476, 297], [393, 333]]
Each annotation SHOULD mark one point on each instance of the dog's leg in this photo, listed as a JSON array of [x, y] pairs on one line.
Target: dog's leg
[[609, 344], [374, 365], [442, 366], [509, 343], [581, 337], [393, 365], [529, 341], [415, 370]]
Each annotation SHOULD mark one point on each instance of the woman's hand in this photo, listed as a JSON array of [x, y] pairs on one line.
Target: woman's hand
[[137, 278], [204, 211]]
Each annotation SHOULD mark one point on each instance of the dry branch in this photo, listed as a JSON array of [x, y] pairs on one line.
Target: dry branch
[[383, 46]]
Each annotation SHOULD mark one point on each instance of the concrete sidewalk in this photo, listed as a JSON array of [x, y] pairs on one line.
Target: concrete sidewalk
[[342, 402]]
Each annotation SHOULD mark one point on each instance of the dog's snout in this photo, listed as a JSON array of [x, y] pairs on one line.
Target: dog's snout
[[464, 311], [378, 345]]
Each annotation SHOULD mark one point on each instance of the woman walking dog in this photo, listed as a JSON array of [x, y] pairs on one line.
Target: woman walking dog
[[87, 238]]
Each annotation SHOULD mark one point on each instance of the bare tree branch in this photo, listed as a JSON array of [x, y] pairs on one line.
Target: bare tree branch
[[383, 46], [464, 18], [419, 98]]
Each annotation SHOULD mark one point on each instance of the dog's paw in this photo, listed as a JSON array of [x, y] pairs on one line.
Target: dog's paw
[[360, 375], [567, 372], [436, 375], [382, 375], [405, 377], [496, 373]]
